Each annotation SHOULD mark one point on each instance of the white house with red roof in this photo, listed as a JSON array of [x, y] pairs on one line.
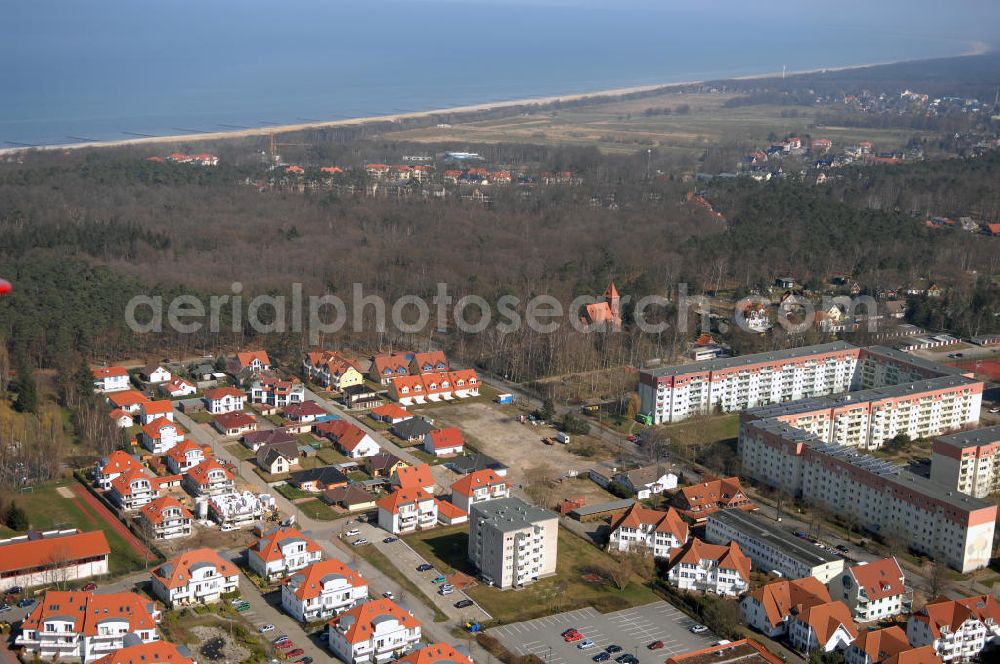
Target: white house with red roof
[[165, 518], [276, 392], [161, 435], [110, 379], [199, 576], [255, 361], [209, 478], [157, 652], [70, 555], [434, 387], [122, 419], [445, 442], [710, 568], [872, 591], [128, 400], [656, 531], [958, 630], [825, 627], [282, 551], [413, 477], [888, 646], [349, 438], [375, 631], [450, 514], [184, 456], [85, 626], [435, 653], [390, 413], [224, 400], [478, 486], [389, 366], [322, 590], [113, 465], [769, 608], [234, 424], [150, 411], [407, 510], [177, 388], [133, 489]]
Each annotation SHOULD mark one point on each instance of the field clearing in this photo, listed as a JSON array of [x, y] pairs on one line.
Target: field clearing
[[624, 127]]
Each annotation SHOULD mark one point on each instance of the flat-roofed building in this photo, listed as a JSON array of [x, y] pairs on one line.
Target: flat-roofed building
[[511, 542], [968, 461]]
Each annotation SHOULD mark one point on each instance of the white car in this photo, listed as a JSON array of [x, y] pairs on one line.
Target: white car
[[446, 590], [388, 594], [236, 602], [698, 629], [263, 629], [585, 644], [227, 528], [995, 410], [352, 532], [359, 542]]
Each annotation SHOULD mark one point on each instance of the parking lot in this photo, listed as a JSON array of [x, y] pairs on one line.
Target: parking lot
[[632, 629]]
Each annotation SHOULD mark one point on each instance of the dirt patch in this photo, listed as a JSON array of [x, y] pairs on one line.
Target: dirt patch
[[216, 646]]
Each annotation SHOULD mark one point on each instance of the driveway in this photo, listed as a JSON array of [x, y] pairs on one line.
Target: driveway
[[631, 629]]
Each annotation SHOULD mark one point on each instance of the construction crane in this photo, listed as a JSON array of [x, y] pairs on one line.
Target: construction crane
[[273, 148]]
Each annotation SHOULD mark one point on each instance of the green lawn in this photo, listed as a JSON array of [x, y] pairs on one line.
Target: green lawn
[[446, 548], [292, 493], [330, 456], [47, 509], [239, 451], [703, 430], [202, 417], [382, 563], [317, 509]]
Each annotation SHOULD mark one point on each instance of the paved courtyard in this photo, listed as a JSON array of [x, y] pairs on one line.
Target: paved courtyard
[[632, 629]]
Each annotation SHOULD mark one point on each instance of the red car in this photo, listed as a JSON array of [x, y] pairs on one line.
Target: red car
[[294, 653], [633, 438], [655, 645], [285, 645], [572, 636], [90, 587]]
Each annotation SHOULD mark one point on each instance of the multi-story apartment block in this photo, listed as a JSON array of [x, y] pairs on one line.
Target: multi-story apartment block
[[150, 411], [185, 455], [224, 400], [710, 568], [84, 626], [968, 461], [113, 465], [331, 370], [771, 547], [769, 608], [161, 435], [209, 478], [641, 528], [276, 392], [888, 646], [322, 590], [376, 631], [825, 627], [873, 591], [511, 542], [53, 556], [198, 576], [165, 518], [478, 486], [407, 510], [133, 489], [282, 551], [958, 630]]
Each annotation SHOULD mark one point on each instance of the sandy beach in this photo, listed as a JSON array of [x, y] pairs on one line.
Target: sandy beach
[[977, 48]]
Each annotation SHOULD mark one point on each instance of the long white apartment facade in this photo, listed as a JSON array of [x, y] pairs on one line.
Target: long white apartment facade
[[672, 394]]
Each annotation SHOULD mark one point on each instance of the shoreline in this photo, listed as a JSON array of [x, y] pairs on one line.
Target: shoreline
[[976, 48]]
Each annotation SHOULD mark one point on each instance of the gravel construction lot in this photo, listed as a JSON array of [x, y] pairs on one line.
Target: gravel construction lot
[[632, 629], [493, 430]]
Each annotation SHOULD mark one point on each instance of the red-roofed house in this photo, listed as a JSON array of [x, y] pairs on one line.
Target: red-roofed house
[[432, 387], [153, 410], [235, 423], [278, 393], [255, 361], [165, 518], [407, 510], [160, 435], [375, 631], [304, 412], [712, 568], [769, 608], [826, 627], [282, 551], [185, 455], [873, 591], [430, 362], [390, 413], [450, 514], [699, 500], [224, 400], [607, 313], [84, 626], [444, 442], [658, 532], [112, 466], [128, 400], [958, 630], [413, 477], [199, 576], [331, 370], [350, 439], [110, 379], [435, 653], [176, 388], [55, 556], [157, 652], [888, 646], [209, 478], [993, 229], [478, 486], [388, 366], [322, 590], [746, 651], [133, 489]]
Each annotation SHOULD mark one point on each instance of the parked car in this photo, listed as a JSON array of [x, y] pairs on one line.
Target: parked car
[[4, 608], [279, 639], [243, 606], [568, 631], [305, 660], [586, 644], [613, 648], [236, 602], [14, 590], [263, 629], [698, 629], [655, 645], [424, 567], [324, 635], [388, 594], [633, 438], [286, 644], [602, 656], [800, 533], [463, 603], [390, 540], [446, 590], [995, 410], [359, 542], [295, 653], [572, 636], [627, 658], [26, 602], [227, 528], [89, 588], [842, 548], [353, 532], [439, 579]]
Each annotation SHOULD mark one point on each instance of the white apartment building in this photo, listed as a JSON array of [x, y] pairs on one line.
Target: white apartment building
[[209, 478], [184, 456], [322, 590], [873, 591], [710, 568], [478, 486], [958, 630], [199, 576], [658, 532], [771, 547], [113, 465], [85, 626], [110, 379], [160, 435], [277, 393], [825, 627], [968, 461], [133, 489], [511, 542], [770, 608], [407, 510], [224, 400], [282, 551], [165, 518], [373, 633], [887, 646]]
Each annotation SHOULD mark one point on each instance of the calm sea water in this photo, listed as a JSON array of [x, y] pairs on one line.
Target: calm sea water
[[97, 70]]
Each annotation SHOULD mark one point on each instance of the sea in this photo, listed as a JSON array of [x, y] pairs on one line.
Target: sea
[[75, 71]]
